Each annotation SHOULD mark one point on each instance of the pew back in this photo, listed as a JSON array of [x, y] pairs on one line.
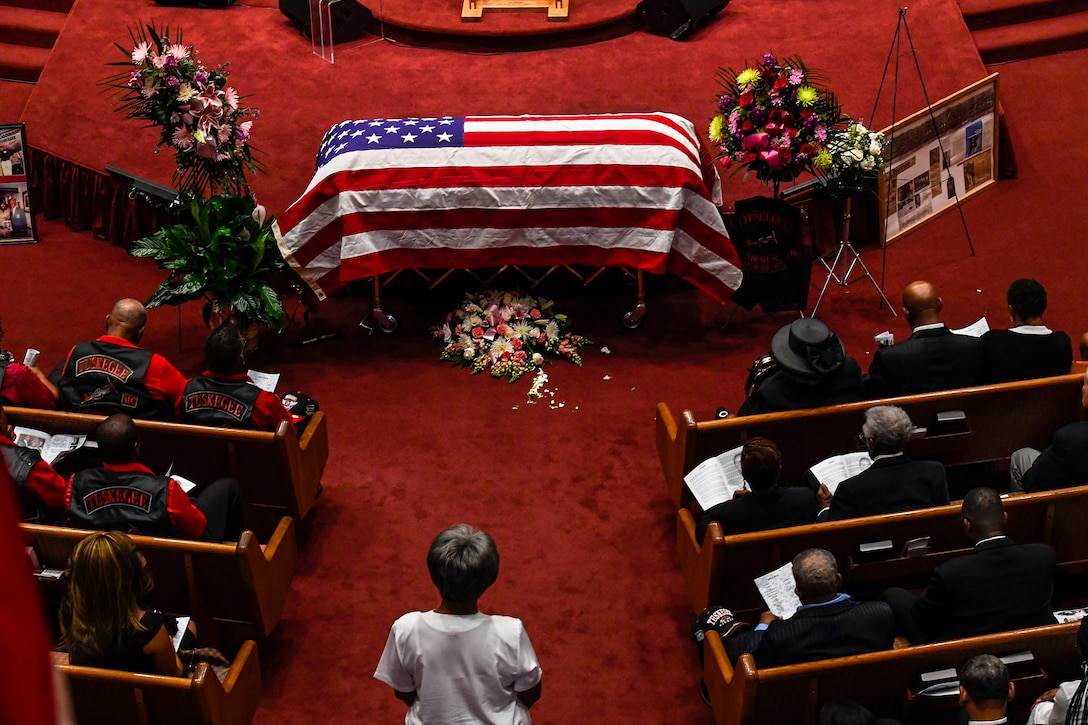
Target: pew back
[[999, 419], [279, 474], [882, 681], [721, 571], [232, 591], [109, 697]]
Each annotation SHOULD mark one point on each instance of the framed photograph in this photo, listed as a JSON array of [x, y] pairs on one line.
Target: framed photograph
[[16, 217], [938, 156]]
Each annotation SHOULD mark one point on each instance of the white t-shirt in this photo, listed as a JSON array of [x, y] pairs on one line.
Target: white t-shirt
[[464, 668]]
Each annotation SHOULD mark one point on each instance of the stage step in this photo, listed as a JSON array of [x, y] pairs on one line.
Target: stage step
[[22, 62], [56, 6], [1050, 36], [28, 30], [984, 14], [38, 28]]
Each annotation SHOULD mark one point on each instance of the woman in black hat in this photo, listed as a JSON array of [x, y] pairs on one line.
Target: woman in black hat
[[813, 371]]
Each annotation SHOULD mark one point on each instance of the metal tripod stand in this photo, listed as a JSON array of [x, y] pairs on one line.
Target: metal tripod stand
[[849, 257]]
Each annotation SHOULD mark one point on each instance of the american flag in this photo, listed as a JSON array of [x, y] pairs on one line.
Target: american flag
[[633, 190]]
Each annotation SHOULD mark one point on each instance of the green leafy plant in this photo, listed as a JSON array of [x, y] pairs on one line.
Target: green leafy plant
[[224, 250]]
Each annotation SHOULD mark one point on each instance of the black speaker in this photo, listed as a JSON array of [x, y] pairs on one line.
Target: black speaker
[[348, 18], [678, 18]]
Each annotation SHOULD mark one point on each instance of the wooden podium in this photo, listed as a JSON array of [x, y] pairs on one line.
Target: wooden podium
[[473, 10]]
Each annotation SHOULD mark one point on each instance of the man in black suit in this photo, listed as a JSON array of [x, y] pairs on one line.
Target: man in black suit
[[766, 506], [932, 358], [894, 482], [828, 624], [1062, 464], [999, 587], [1029, 349], [813, 371]]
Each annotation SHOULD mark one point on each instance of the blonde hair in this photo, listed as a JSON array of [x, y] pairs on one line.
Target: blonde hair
[[107, 582]]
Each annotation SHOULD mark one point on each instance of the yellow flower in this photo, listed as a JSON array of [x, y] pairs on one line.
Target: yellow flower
[[807, 95], [716, 128], [822, 160], [749, 75]]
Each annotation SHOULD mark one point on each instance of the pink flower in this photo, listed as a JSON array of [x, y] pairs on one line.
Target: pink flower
[[516, 342], [534, 313], [520, 356], [477, 332], [231, 97], [456, 330]]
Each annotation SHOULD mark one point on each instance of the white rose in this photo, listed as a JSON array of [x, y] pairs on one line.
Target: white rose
[[855, 154], [538, 359], [874, 148], [470, 353], [868, 164]]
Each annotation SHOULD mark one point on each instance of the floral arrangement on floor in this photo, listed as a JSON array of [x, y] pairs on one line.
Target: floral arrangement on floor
[[774, 119], [200, 115], [507, 334], [856, 154]]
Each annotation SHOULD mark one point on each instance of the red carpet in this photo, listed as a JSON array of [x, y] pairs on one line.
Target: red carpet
[[573, 495]]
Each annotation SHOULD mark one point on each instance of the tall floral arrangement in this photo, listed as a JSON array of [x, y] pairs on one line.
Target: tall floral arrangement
[[774, 119], [200, 115]]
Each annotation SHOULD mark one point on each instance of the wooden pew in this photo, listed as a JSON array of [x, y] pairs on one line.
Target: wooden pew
[[1000, 419], [279, 474], [722, 569], [232, 591], [110, 697], [882, 681]]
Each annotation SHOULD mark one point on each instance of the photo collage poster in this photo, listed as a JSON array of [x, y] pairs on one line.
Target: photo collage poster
[[16, 217], [942, 158]]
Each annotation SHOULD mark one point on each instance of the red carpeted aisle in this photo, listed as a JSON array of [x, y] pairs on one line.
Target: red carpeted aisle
[[573, 494]]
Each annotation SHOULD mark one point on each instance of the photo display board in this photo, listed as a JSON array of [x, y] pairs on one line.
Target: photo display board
[[938, 155], [16, 217]]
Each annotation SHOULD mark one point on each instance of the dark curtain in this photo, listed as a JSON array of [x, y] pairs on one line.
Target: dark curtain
[[88, 199]]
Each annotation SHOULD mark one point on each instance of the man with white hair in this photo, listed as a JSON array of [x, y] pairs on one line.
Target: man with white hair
[[894, 482], [1062, 464]]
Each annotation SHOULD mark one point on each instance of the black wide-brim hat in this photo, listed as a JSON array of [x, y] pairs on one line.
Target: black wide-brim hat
[[807, 349]]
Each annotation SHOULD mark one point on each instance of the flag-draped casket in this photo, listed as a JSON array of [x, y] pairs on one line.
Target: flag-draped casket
[[635, 190]]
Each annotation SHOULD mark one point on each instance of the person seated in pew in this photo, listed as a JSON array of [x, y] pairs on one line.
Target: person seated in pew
[[932, 358], [126, 495], [1029, 349], [1062, 464], [224, 395], [813, 371], [24, 386], [985, 690], [1000, 586], [456, 664], [112, 375], [39, 488], [105, 617], [766, 506], [1068, 702], [828, 623], [894, 482]]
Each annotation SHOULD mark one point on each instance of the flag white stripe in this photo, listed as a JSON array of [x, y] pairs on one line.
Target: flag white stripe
[[487, 156]]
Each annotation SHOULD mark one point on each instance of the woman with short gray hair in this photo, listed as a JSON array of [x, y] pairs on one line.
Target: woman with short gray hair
[[454, 663]]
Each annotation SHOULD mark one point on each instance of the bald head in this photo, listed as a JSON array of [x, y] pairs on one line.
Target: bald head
[[117, 438], [921, 305], [127, 319]]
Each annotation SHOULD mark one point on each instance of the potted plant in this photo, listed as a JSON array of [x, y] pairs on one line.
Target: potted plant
[[222, 248]]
